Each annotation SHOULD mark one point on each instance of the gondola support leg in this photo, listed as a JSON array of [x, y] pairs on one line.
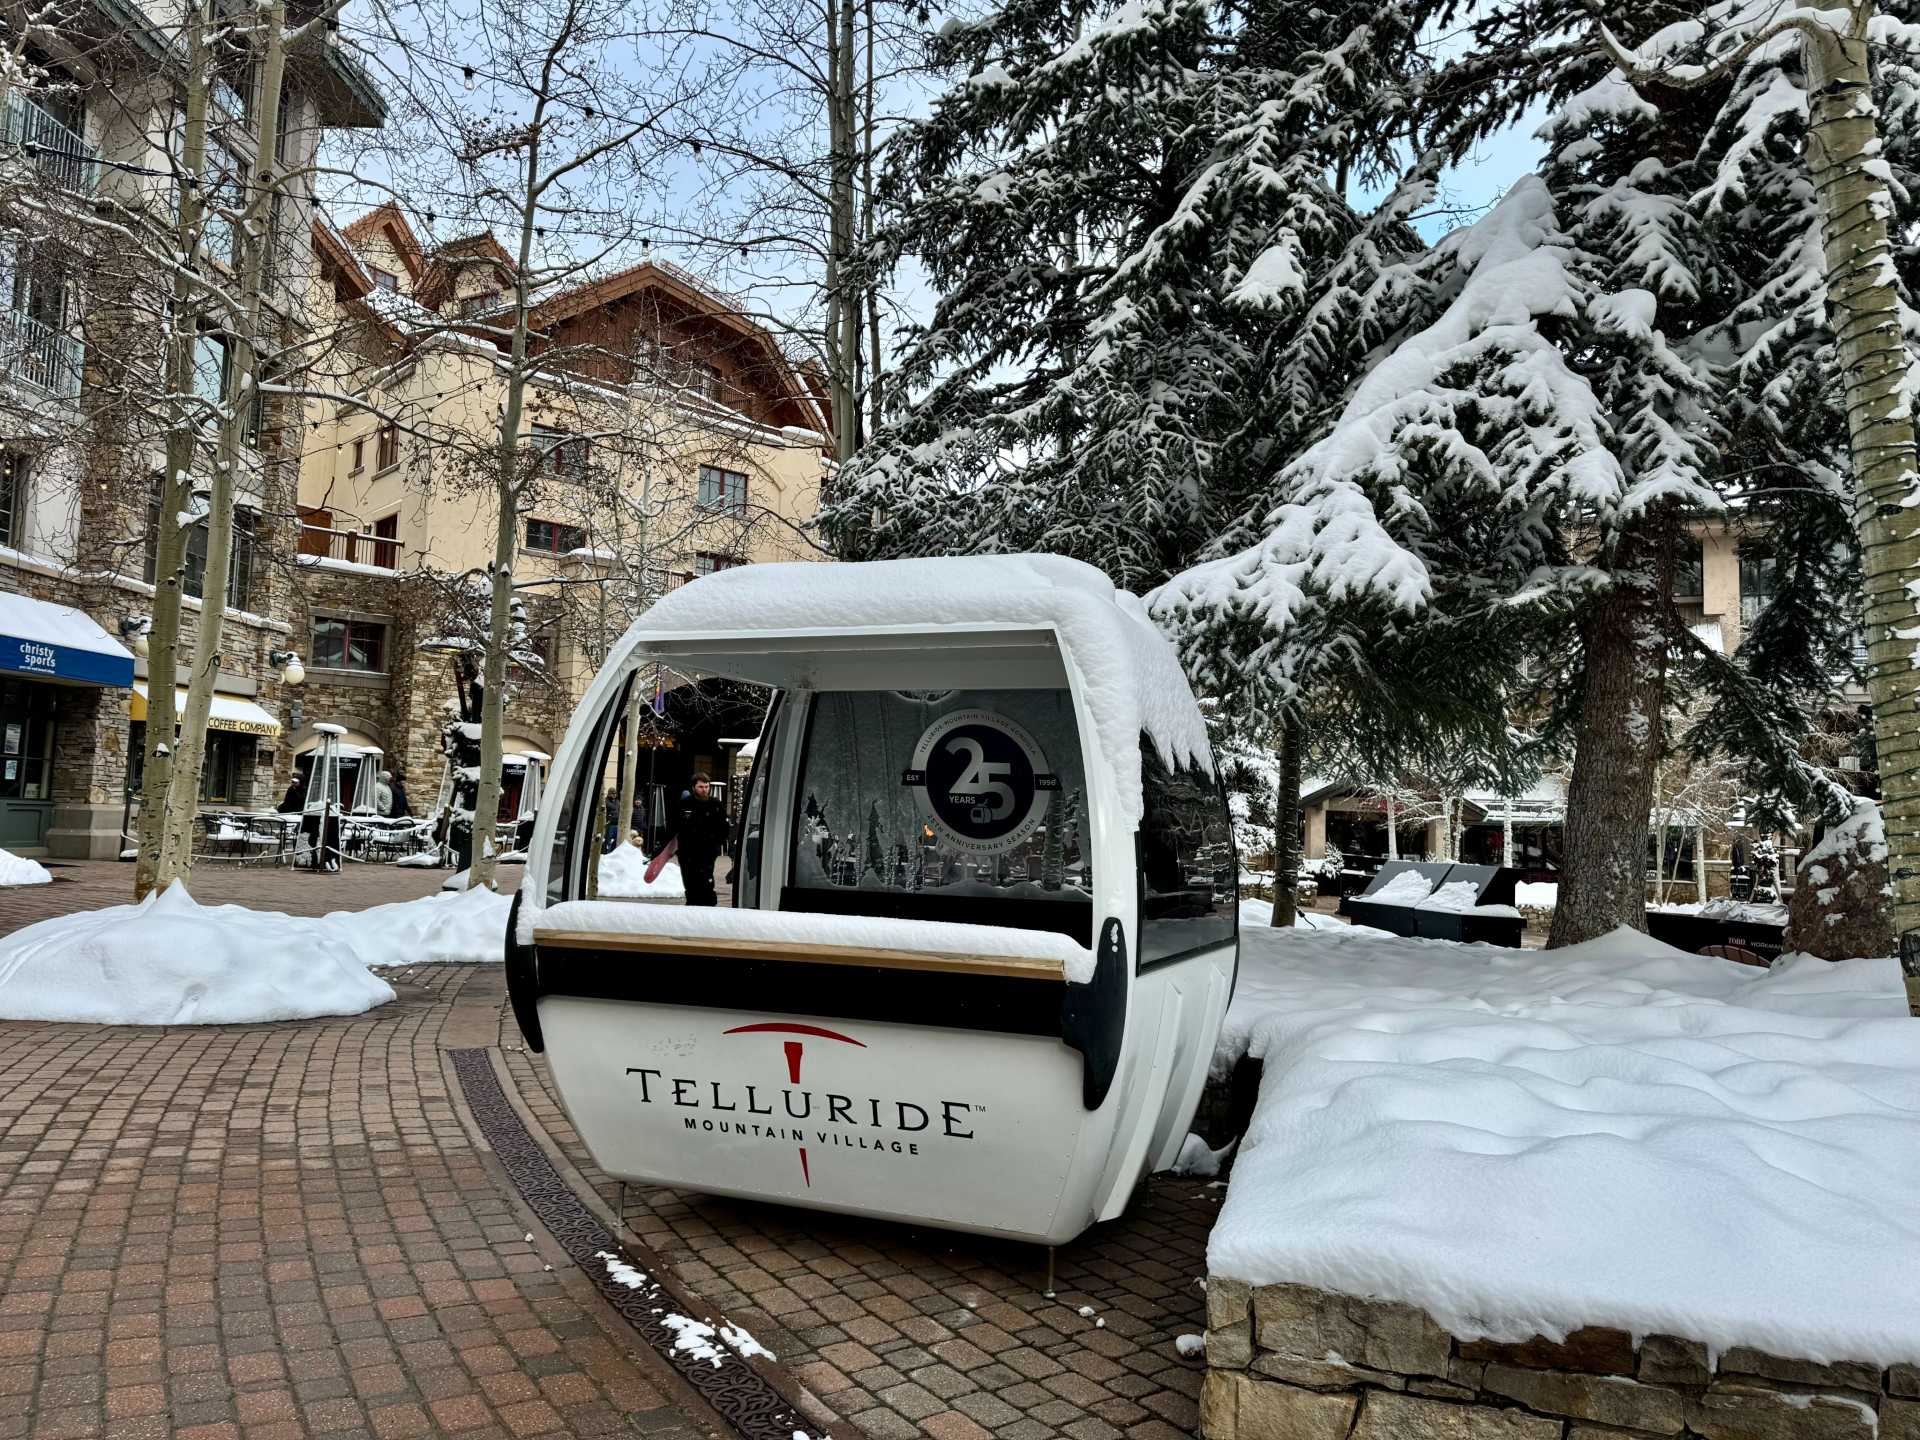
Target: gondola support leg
[[1049, 1290]]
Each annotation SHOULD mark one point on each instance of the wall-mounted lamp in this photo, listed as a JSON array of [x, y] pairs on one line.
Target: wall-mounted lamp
[[133, 633], [287, 662]]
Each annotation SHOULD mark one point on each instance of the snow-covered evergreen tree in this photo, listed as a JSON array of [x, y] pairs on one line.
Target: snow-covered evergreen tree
[[1633, 338], [1128, 211]]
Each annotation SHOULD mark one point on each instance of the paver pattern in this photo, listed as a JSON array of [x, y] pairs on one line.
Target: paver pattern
[[285, 1231], [96, 884], [909, 1332], [291, 1230]]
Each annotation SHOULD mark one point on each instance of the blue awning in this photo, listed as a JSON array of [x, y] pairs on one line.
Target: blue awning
[[57, 642]]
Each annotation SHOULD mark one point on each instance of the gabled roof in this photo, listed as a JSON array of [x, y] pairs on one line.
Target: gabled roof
[[665, 278], [338, 263], [450, 259], [388, 217]]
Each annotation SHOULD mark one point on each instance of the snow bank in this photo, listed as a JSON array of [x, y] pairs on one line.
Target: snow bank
[[172, 961], [1537, 894], [1614, 1134], [794, 927], [470, 925], [623, 876], [1409, 887], [1131, 676], [18, 870]]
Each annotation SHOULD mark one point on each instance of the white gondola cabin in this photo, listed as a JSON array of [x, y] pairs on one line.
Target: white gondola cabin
[[983, 923]]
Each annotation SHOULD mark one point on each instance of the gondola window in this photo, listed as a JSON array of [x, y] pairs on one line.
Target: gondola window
[[1188, 899], [913, 799]]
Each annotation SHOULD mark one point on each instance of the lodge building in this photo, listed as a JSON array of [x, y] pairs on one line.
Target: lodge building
[[352, 533]]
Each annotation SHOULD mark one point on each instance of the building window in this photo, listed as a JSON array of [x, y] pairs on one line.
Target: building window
[[706, 562], [1187, 869], [229, 757], [193, 580], [705, 380], [383, 279], [1757, 567], [1689, 580], [13, 499], [212, 359], [555, 538], [359, 456], [722, 489], [561, 452], [349, 644], [387, 452]]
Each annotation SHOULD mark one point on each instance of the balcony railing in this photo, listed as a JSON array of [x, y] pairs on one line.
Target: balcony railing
[[354, 546], [43, 357], [57, 152]]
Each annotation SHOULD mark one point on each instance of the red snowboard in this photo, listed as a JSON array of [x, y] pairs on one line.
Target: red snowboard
[[659, 862]]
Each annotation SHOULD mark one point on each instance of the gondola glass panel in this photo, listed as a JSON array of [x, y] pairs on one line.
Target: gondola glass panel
[[952, 805], [1189, 896]]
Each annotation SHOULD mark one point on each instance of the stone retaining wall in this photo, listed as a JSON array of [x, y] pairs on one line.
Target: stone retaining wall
[[1288, 1362]]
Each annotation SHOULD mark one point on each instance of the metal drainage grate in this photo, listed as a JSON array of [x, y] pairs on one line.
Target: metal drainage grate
[[733, 1388]]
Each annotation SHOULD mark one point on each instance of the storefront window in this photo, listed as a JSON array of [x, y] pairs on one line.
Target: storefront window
[[26, 742], [1187, 889], [914, 796]]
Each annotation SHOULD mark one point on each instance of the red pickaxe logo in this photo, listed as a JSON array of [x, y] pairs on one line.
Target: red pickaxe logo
[[794, 1051]]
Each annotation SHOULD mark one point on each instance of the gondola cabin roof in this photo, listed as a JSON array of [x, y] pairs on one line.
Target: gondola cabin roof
[[976, 621]]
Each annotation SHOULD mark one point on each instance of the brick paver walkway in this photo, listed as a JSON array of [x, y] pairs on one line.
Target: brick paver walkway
[[284, 1231], [267, 1232], [909, 1332], [96, 884]]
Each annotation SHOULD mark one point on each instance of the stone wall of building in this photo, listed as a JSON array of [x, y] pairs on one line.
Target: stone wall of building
[[405, 707], [1289, 1362]]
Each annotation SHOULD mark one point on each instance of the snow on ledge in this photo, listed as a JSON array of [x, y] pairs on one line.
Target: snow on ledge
[[1615, 1134], [613, 917]]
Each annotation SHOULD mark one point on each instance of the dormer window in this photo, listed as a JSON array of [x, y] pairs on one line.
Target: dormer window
[[384, 279]]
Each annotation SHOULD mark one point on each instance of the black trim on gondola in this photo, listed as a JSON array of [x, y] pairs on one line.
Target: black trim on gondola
[[995, 1003], [523, 981], [1093, 1017]]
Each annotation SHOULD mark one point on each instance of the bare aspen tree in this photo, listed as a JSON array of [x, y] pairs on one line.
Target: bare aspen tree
[[1850, 177], [791, 195]]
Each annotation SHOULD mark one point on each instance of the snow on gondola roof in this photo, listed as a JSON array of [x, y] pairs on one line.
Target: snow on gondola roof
[[1130, 674]]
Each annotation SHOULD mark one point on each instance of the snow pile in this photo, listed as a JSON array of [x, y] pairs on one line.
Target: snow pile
[[172, 961], [1617, 1134], [470, 925], [18, 870], [1130, 676], [623, 876], [796, 928], [1537, 894], [703, 1341], [1746, 912], [1409, 887], [1864, 830], [1260, 912]]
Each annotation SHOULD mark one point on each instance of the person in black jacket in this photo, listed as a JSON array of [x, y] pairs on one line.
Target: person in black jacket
[[700, 827]]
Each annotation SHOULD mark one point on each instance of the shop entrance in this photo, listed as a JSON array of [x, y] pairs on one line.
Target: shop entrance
[[26, 764]]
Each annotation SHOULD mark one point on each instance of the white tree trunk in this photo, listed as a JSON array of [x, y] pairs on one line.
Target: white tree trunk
[[1846, 161], [1393, 826], [1700, 863]]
